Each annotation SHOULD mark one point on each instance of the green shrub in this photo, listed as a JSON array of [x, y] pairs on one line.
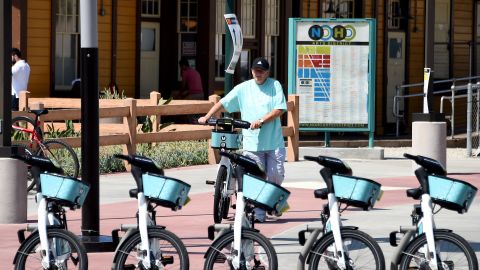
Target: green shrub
[[167, 155]]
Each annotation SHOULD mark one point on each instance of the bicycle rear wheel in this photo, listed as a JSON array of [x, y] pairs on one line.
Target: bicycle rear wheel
[[453, 252], [20, 137], [221, 204], [166, 252], [257, 252], [361, 252], [63, 154], [65, 252]]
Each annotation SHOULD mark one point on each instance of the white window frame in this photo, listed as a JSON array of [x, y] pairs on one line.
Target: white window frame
[[151, 14], [248, 18], [188, 17], [62, 49], [272, 31]]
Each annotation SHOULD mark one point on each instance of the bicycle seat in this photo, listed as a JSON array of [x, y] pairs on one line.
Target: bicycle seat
[[321, 193], [39, 112], [431, 165], [247, 163], [133, 193], [414, 193], [144, 163], [334, 164]]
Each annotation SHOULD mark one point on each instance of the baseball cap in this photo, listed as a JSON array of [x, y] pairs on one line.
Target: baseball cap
[[261, 63]]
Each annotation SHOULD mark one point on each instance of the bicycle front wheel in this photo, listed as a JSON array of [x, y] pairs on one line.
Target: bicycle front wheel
[[221, 204], [453, 252], [63, 154], [257, 252], [166, 252], [361, 252], [64, 249]]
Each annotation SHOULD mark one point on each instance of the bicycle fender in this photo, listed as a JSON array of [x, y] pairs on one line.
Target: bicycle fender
[[23, 244], [226, 234], [344, 228], [395, 263], [129, 234]]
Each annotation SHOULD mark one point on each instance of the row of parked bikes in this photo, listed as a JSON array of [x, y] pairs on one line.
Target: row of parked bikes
[[148, 245]]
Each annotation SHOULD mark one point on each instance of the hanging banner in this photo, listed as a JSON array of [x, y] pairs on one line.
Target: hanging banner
[[237, 40], [426, 79]]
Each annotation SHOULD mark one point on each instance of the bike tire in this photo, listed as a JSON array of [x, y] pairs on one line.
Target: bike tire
[[220, 205], [219, 255], [74, 255], [446, 244], [169, 244], [25, 122], [63, 154], [354, 241]]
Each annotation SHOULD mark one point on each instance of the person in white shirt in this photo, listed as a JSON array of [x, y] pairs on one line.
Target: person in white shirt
[[20, 76]]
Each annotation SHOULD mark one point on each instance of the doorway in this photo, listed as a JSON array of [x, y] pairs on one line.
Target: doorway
[[395, 71], [149, 58]]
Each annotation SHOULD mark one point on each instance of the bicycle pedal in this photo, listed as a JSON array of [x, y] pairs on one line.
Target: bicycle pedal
[[167, 260], [210, 182], [129, 267]]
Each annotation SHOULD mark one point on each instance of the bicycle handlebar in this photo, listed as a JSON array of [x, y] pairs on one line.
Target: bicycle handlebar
[[228, 122], [43, 163]]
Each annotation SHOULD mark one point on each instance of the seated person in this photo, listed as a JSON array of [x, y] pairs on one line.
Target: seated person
[[191, 82]]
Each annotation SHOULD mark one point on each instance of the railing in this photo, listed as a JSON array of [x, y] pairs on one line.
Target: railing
[[127, 133], [472, 107]]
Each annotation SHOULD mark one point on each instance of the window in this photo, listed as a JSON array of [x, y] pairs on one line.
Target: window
[[151, 8], [188, 16], [272, 15], [341, 9], [67, 43], [219, 41], [247, 21]]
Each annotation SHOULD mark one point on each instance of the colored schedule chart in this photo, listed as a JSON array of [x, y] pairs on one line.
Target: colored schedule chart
[[331, 63]]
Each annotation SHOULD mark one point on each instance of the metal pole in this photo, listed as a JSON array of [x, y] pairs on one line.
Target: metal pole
[[90, 114], [228, 84], [452, 118], [395, 105], [469, 120], [429, 46], [5, 75]]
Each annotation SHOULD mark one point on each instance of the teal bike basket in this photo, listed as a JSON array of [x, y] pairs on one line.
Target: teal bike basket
[[356, 191], [64, 189], [264, 194], [225, 140], [165, 191], [451, 193]]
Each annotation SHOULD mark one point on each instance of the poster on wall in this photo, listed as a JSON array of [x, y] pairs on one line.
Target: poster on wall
[[330, 64]]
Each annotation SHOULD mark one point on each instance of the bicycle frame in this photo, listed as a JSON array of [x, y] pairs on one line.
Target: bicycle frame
[[144, 221], [227, 189], [34, 137], [425, 225], [333, 224]]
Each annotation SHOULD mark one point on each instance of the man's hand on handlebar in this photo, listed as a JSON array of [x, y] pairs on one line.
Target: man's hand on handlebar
[[256, 124], [202, 120]]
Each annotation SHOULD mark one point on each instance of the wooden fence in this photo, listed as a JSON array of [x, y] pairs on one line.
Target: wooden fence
[[127, 133]]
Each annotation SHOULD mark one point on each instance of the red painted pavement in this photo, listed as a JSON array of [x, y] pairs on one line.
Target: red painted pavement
[[192, 221]]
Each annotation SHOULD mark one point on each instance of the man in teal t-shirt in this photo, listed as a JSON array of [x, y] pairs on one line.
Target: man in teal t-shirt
[[261, 102]]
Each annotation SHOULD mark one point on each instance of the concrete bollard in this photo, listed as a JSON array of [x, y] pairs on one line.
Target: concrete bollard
[[13, 191], [430, 139]]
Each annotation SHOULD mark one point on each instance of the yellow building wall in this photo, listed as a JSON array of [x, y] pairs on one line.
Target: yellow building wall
[[38, 46], [126, 46], [39, 43]]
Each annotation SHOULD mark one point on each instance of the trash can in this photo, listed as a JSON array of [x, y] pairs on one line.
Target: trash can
[[13, 190], [429, 137]]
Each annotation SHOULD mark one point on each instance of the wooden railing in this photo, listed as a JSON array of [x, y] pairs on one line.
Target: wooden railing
[[127, 133]]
